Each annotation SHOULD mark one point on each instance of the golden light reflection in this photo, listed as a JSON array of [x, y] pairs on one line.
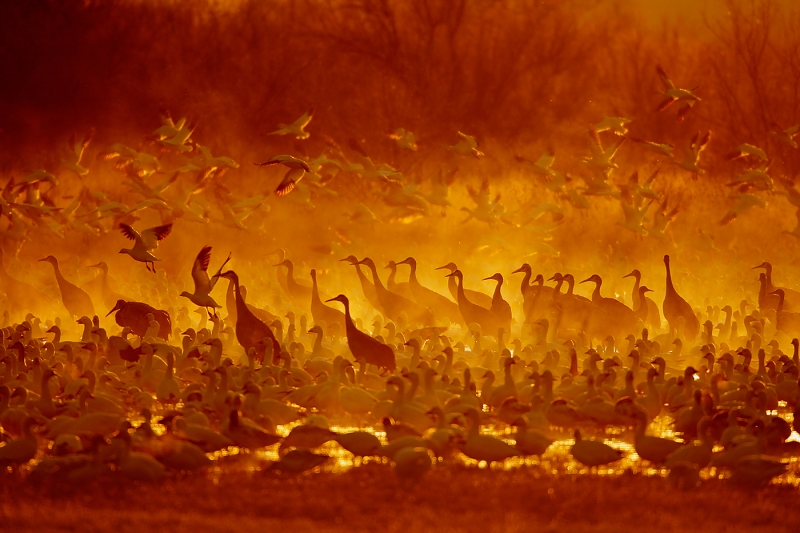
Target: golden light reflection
[[628, 168]]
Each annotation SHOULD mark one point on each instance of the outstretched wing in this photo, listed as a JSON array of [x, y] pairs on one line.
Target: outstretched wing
[[665, 103], [151, 236], [664, 78], [129, 232], [303, 121], [547, 160], [200, 270], [469, 139], [216, 276], [704, 141], [289, 181], [79, 147]]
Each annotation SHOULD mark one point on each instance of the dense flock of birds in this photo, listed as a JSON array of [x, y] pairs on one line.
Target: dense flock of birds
[[432, 379]]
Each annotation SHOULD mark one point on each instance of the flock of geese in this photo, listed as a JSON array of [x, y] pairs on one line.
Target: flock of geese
[[433, 379], [171, 174], [437, 379]]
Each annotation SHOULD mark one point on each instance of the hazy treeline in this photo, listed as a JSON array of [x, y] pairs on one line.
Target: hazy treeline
[[518, 73]]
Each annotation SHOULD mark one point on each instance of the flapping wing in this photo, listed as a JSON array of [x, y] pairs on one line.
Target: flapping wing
[[664, 78], [303, 121], [129, 232], [152, 236], [200, 269], [547, 160], [289, 181], [665, 103], [216, 276], [595, 145], [469, 139]]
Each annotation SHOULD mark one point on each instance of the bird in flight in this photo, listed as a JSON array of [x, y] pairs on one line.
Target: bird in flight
[[144, 243], [297, 169]]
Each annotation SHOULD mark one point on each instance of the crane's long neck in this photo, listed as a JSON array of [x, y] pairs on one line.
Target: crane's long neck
[[497, 296], [314, 290], [59, 278], [642, 300], [376, 280], [596, 291], [412, 277], [290, 274], [570, 284], [318, 343], [348, 320], [635, 293], [526, 282], [241, 306], [452, 286], [762, 289], [460, 288], [361, 277], [557, 288], [670, 286]]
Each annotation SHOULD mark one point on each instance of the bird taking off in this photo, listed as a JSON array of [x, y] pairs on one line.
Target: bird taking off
[[467, 146], [202, 284], [672, 94], [297, 169], [296, 128], [144, 243], [405, 139]]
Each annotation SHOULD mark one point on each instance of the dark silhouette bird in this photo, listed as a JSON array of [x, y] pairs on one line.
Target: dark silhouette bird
[[300, 293], [440, 305], [501, 309], [394, 304], [653, 314], [676, 307], [75, 299], [611, 316], [791, 296], [250, 331], [321, 312], [145, 243], [786, 321], [134, 315], [362, 345], [366, 285], [472, 313], [478, 298]]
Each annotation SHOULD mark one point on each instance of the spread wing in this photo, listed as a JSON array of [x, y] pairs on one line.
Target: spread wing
[[469, 139], [664, 78], [79, 147], [704, 140], [595, 145], [303, 121], [289, 181], [216, 276], [151, 236], [129, 232], [612, 150], [547, 160], [200, 270]]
